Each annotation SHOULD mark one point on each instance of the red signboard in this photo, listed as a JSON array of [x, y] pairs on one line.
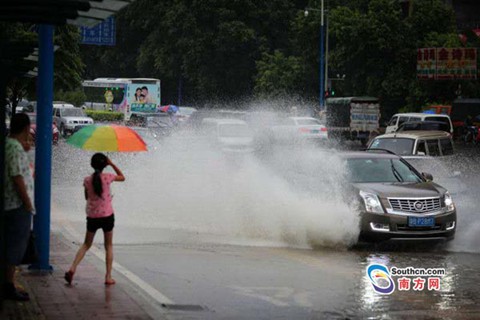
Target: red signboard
[[447, 63], [426, 63]]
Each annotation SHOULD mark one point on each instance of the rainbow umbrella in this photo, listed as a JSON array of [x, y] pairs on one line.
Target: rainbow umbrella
[[106, 138]]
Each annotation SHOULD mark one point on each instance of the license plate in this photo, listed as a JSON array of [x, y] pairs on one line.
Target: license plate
[[314, 131], [421, 221]]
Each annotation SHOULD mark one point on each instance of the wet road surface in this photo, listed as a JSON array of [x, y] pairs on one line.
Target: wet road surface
[[245, 258]]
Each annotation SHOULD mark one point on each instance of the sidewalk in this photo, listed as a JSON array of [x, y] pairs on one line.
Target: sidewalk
[[87, 297]]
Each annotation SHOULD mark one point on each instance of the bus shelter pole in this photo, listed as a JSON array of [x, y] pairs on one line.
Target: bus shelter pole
[[43, 150]]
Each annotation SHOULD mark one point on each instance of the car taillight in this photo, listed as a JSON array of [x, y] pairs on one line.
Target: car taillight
[[323, 129], [304, 130]]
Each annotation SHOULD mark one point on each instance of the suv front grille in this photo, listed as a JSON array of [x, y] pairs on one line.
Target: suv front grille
[[416, 205]]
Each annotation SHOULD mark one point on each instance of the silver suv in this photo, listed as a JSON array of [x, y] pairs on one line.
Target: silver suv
[[69, 118]]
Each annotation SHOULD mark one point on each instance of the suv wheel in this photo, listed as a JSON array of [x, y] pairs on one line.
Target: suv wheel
[[62, 130]]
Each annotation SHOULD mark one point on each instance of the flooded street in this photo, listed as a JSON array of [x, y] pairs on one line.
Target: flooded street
[[270, 236]]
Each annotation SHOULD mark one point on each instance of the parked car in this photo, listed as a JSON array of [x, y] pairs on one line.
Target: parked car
[[69, 118], [400, 118], [424, 126], [229, 135], [298, 129], [415, 143], [33, 128], [396, 201]]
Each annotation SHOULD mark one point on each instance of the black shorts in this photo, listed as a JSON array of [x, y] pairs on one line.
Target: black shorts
[[17, 230], [106, 224]]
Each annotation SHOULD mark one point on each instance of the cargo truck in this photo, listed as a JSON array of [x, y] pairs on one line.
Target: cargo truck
[[353, 118]]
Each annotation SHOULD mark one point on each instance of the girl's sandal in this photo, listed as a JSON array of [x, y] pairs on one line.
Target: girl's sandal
[[69, 277], [109, 282]]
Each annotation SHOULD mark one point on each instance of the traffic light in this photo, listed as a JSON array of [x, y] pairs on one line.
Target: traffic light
[[329, 93]]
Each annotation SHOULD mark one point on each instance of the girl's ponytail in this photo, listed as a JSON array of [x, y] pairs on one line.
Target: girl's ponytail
[[99, 162], [97, 183]]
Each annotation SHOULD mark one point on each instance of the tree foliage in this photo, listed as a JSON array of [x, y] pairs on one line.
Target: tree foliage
[[68, 68], [278, 75], [224, 50]]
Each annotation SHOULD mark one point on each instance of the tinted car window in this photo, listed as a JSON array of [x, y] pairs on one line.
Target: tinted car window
[[424, 125], [421, 148], [433, 148], [393, 121], [446, 146], [73, 112], [440, 119], [400, 146], [402, 120], [380, 170]]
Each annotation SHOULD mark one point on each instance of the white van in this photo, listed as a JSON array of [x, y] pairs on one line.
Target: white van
[[230, 135], [400, 118]]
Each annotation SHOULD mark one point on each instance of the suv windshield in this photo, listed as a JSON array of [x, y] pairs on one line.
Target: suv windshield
[[380, 170], [400, 146], [73, 112]]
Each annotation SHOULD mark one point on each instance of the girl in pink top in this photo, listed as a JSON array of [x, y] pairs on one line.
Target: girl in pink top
[[99, 212]]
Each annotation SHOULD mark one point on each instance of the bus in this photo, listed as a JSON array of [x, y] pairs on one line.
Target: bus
[[126, 95]]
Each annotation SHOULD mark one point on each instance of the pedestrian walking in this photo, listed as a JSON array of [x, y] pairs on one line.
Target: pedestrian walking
[[99, 213], [18, 204]]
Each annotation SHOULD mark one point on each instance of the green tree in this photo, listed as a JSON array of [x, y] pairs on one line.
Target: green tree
[[278, 75], [69, 66], [377, 49]]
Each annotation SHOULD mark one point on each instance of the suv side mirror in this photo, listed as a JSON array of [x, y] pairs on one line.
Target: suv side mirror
[[427, 176]]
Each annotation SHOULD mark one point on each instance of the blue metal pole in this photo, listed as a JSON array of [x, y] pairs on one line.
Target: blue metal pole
[[322, 60], [43, 149]]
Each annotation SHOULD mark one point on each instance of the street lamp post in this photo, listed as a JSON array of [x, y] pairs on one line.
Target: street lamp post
[[322, 71]]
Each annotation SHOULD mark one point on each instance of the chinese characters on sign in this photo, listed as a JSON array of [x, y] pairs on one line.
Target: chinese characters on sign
[[447, 63], [419, 284], [416, 279], [103, 34], [426, 63]]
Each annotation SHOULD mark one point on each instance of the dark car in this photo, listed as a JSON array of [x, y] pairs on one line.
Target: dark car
[[396, 201], [424, 126]]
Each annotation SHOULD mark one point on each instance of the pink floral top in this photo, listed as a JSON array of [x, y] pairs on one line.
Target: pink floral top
[[99, 207]]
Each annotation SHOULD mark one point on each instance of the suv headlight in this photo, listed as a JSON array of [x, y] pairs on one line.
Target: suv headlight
[[448, 202], [70, 121], [372, 203]]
